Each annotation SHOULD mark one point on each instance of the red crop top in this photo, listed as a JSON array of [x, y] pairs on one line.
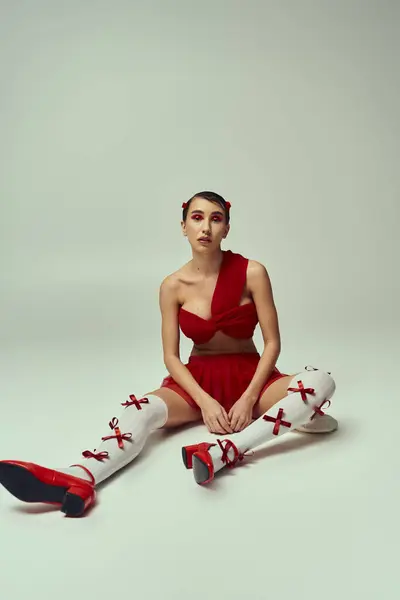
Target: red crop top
[[227, 315]]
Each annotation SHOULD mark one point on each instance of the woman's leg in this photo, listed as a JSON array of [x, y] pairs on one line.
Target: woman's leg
[[284, 406], [274, 392], [162, 408], [320, 423], [73, 487], [180, 412]]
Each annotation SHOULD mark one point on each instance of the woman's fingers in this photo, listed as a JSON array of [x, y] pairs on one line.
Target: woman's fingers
[[219, 422], [234, 422], [224, 424], [210, 425], [216, 426], [240, 425]]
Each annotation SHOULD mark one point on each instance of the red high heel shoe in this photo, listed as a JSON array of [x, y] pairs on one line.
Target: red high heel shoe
[[32, 483], [189, 451], [203, 466], [198, 458]]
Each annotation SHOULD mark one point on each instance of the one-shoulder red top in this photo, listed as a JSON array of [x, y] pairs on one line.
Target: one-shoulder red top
[[227, 315]]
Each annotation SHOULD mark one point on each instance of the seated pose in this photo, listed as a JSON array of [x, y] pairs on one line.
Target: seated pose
[[216, 299]]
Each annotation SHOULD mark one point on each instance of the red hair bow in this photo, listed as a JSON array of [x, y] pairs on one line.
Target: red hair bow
[[184, 205]]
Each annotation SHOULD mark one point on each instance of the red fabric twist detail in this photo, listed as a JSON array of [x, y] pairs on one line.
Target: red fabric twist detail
[[303, 391], [135, 401], [121, 437], [184, 205], [100, 456], [318, 410], [278, 421], [229, 445]]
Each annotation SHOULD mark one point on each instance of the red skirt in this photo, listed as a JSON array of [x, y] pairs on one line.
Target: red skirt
[[224, 376]]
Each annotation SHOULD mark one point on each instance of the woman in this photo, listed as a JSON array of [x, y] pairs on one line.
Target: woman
[[216, 299]]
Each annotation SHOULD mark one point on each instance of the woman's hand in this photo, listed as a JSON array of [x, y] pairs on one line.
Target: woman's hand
[[215, 416], [241, 414]]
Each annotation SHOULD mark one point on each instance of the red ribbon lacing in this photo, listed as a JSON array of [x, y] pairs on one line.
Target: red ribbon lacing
[[229, 445], [303, 391], [134, 401], [318, 409], [100, 456], [121, 437], [278, 421]]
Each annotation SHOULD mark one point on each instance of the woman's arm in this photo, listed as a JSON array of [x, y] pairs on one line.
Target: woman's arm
[[259, 285], [169, 306]]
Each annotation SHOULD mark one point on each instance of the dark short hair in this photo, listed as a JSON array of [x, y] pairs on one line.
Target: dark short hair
[[211, 197]]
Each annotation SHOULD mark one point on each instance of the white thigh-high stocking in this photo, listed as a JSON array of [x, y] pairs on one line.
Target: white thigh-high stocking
[[125, 440], [308, 393]]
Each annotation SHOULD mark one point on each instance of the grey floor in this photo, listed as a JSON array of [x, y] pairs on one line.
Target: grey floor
[[306, 516]]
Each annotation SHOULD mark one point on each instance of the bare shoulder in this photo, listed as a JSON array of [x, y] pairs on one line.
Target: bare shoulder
[[171, 285], [256, 271], [170, 282], [258, 281]]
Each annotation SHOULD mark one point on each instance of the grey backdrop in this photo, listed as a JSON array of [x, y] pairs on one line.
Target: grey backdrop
[[113, 114]]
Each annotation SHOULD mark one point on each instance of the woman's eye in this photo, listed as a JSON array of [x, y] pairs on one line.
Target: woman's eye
[[198, 218]]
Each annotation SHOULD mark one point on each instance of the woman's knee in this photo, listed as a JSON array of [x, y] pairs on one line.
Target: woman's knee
[[179, 411], [316, 378], [274, 392]]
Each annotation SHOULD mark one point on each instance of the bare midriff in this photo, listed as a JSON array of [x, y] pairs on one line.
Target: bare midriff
[[223, 344]]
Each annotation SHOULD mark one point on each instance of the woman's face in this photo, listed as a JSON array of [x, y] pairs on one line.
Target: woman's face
[[205, 225]]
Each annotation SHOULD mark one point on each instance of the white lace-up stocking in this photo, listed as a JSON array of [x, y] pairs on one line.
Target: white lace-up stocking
[[126, 439]]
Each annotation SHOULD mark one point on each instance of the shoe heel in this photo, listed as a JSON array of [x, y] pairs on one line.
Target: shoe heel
[[203, 468], [189, 451], [77, 500], [187, 455]]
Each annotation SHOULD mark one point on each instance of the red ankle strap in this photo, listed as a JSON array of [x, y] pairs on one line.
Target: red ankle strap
[[229, 445], [318, 409], [87, 471]]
